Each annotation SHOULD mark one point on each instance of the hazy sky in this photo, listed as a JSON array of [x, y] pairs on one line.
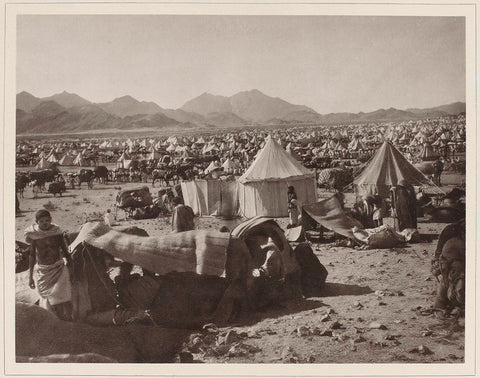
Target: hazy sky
[[329, 63]]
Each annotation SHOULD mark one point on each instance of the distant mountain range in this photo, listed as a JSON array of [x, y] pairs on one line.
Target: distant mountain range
[[68, 113]]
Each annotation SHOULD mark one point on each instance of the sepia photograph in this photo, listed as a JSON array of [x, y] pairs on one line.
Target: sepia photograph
[[224, 186]]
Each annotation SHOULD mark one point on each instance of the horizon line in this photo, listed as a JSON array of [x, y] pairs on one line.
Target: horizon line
[[243, 91]]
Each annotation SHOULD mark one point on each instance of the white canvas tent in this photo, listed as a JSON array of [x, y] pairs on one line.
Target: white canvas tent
[[211, 197], [66, 160], [263, 187], [386, 169], [43, 164], [80, 160]]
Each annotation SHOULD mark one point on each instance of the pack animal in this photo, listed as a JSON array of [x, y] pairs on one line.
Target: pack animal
[[42, 177], [85, 175], [101, 173], [57, 188], [21, 182]]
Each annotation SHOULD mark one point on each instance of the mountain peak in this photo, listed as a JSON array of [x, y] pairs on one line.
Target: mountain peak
[[128, 106], [126, 98]]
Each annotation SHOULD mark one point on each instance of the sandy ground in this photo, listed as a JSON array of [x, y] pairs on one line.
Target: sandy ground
[[374, 307]]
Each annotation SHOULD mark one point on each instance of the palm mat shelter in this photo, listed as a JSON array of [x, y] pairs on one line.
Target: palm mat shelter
[[386, 169], [263, 187]]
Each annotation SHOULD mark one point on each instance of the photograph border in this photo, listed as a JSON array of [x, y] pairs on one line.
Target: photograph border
[[11, 9]]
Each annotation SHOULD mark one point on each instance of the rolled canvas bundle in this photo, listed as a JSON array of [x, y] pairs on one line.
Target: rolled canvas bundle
[[199, 251]]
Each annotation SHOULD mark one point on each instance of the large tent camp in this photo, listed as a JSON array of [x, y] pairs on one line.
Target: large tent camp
[[263, 187], [385, 170], [211, 197]]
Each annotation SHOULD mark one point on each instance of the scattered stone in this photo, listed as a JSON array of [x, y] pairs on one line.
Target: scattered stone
[[357, 305], [359, 339], [254, 335], [358, 330], [421, 349], [311, 359], [289, 355], [331, 311], [427, 333], [316, 331], [326, 332], [382, 304], [325, 318], [375, 325], [428, 279], [303, 331], [360, 320], [391, 337], [336, 325], [270, 332], [340, 337], [241, 350]]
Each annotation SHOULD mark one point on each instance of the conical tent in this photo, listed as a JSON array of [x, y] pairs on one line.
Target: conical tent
[[66, 160], [386, 169], [428, 153], [80, 160], [43, 164], [52, 158], [229, 165], [263, 187]]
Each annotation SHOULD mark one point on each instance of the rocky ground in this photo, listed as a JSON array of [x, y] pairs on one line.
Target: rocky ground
[[375, 307]]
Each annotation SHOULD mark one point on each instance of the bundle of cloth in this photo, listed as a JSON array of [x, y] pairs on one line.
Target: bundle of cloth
[[202, 252], [384, 236]]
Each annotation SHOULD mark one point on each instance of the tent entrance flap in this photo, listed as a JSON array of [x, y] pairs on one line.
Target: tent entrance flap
[[329, 214]]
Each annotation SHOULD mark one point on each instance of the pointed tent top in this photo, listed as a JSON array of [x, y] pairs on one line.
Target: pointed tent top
[[273, 162], [43, 163], [385, 170]]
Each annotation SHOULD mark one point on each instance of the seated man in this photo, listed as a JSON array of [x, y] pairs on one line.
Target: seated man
[[182, 216]]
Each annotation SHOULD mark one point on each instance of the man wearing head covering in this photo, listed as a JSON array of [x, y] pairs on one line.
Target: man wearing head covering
[[293, 211], [182, 216], [47, 259], [404, 205]]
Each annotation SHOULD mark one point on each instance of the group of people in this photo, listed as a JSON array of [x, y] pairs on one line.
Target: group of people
[[372, 209]]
